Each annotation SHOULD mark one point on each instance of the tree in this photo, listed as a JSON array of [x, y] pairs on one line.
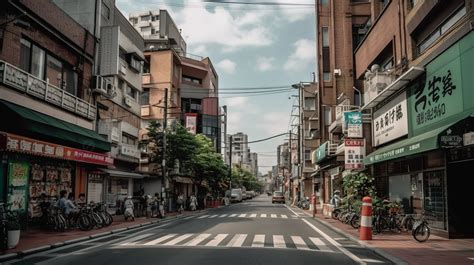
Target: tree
[[243, 178]]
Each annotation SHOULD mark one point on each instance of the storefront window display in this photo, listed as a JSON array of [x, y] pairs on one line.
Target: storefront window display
[[434, 199], [117, 191]]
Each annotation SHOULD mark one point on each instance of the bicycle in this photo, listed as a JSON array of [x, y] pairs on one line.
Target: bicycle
[[421, 229], [3, 227]]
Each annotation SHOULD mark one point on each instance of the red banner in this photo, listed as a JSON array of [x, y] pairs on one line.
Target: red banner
[[16, 143]]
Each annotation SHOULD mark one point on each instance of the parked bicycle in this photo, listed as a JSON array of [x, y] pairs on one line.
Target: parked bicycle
[[3, 227], [421, 229], [55, 219]]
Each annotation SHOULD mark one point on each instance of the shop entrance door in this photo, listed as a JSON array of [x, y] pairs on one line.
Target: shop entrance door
[[460, 183]]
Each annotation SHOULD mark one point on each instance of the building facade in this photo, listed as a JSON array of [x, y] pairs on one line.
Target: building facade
[[47, 140]]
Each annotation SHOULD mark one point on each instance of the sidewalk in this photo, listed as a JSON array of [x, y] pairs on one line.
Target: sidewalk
[[35, 240], [436, 250]]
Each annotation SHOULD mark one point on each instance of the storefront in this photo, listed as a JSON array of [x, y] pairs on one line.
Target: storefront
[[118, 185], [425, 171]]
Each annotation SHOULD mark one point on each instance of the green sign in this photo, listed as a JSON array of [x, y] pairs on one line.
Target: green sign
[[18, 186], [441, 95], [321, 152], [353, 124]]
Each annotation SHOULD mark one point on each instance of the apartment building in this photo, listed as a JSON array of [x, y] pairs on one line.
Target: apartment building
[[117, 84], [253, 160], [419, 91], [47, 134], [240, 150], [341, 26]]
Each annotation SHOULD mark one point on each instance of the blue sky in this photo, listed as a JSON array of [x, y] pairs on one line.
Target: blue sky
[[250, 46]]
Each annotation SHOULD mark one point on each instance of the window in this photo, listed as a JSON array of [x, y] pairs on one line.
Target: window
[[135, 64], [105, 11], [327, 116], [128, 139], [326, 76], [54, 71], [145, 97], [131, 92], [155, 18], [325, 36], [145, 18], [192, 80], [326, 55], [324, 2], [146, 66], [307, 154], [442, 29], [2, 32], [25, 55], [310, 103], [152, 31], [133, 20], [145, 29], [37, 62]]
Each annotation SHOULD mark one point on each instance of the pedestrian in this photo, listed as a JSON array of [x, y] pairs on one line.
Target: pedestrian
[[155, 205], [148, 203], [162, 207], [81, 202], [180, 202], [128, 213], [193, 202]]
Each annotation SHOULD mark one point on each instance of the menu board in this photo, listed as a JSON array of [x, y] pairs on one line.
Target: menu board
[[18, 186]]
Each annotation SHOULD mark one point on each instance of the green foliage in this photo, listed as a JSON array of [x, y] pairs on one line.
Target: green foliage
[[243, 178], [356, 186]]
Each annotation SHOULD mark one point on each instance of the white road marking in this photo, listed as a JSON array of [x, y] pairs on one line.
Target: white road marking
[[223, 215], [213, 216], [218, 239], [233, 215], [332, 241], [131, 241], [253, 215], [258, 241], [319, 243], [178, 239], [204, 216], [263, 215], [284, 216], [237, 240], [299, 242], [274, 216], [294, 216], [190, 217], [159, 240], [197, 240], [243, 215], [279, 241]]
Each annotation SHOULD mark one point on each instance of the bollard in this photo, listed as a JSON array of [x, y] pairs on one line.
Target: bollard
[[366, 219], [314, 204]]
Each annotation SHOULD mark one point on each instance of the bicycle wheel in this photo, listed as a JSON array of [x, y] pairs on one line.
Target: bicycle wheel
[[335, 213], [60, 223], [355, 221], [409, 223], [84, 223], [97, 220], [380, 225], [421, 233]]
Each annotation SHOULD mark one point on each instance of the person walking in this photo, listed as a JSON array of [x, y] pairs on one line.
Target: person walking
[[180, 202], [193, 202]]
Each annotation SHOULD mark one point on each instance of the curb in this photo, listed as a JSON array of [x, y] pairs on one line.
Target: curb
[[380, 252]]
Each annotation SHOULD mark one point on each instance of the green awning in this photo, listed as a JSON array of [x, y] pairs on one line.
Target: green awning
[[39, 126], [414, 145]]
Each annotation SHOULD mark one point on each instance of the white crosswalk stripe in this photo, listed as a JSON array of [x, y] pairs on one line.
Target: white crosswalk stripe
[[279, 241], [274, 216], [218, 239], [233, 215], [178, 239], [258, 241], [299, 242], [189, 217], [197, 240], [263, 215], [222, 215], [253, 215], [284, 216], [319, 243], [204, 216], [237, 240], [243, 215], [159, 240]]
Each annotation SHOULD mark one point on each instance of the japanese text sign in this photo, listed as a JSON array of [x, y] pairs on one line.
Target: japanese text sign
[[390, 121]]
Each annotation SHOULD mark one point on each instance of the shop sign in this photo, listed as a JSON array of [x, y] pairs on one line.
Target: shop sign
[[27, 145], [18, 186], [450, 140], [354, 154], [353, 124], [321, 151], [390, 121], [468, 138], [191, 122], [441, 94]]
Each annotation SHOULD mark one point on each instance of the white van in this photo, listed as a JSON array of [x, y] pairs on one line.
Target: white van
[[236, 195]]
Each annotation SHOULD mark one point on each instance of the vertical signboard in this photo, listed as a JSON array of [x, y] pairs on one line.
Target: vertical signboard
[[18, 186], [353, 124], [390, 121], [354, 154], [191, 122]]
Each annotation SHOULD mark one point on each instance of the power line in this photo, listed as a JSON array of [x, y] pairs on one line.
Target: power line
[[256, 3]]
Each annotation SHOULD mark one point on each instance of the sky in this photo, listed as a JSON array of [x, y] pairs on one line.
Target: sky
[[250, 46]]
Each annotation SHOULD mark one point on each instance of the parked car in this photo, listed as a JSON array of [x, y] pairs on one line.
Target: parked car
[[249, 194], [236, 195], [244, 195], [278, 197]]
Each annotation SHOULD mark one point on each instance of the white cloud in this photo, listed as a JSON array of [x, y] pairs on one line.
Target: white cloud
[[305, 53], [297, 13], [236, 102], [227, 66], [199, 50], [265, 63], [274, 122]]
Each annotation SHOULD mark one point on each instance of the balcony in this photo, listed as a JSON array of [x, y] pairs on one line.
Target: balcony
[[26, 83], [336, 125], [340, 148]]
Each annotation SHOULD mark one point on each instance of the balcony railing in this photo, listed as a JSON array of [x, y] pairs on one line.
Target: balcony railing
[[340, 148], [24, 82]]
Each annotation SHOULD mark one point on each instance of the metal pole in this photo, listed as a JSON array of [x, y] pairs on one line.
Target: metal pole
[[290, 187], [225, 129], [230, 164], [165, 121], [300, 141]]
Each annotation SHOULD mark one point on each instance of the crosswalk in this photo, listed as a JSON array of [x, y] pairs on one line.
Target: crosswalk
[[227, 240], [243, 215]]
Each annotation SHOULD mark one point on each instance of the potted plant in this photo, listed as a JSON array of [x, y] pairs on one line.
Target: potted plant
[[13, 227]]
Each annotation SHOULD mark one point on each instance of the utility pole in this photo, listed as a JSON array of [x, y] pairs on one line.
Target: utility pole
[[230, 163], [165, 122], [290, 187], [225, 129]]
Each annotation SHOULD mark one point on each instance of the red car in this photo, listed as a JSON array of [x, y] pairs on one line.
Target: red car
[[278, 197]]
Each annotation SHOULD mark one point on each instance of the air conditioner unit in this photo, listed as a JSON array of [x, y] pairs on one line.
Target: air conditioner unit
[[99, 85], [114, 135], [337, 72], [128, 101]]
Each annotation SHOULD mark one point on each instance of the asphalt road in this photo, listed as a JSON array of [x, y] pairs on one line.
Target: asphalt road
[[252, 232]]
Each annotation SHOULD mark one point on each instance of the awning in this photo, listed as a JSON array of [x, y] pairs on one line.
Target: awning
[[395, 86], [18, 119], [184, 180], [122, 174], [414, 145]]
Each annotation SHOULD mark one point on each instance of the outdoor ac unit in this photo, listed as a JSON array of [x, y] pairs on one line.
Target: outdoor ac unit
[[114, 135], [128, 101], [99, 85], [337, 72]]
